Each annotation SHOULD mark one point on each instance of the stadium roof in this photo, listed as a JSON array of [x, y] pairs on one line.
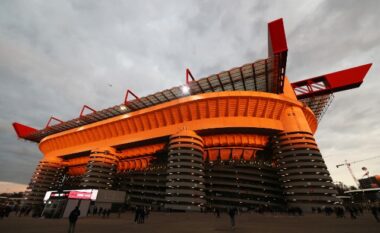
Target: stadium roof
[[255, 76], [266, 75]]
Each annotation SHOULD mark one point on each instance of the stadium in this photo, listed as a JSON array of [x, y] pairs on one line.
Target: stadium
[[241, 138]]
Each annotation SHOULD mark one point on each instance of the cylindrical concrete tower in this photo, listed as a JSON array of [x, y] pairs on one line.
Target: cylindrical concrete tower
[[47, 176], [305, 180], [185, 180], [101, 169]]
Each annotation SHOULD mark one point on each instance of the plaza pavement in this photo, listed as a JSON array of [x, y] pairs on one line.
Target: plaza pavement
[[195, 223]]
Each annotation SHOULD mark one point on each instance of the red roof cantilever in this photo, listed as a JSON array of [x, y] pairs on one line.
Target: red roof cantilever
[[330, 83], [22, 130], [278, 51]]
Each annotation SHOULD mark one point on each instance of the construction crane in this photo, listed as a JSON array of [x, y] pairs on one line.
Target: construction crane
[[348, 165]]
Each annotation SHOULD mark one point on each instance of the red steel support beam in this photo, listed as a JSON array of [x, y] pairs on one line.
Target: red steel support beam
[[126, 96], [136, 97], [86, 107], [330, 83], [52, 118], [189, 75]]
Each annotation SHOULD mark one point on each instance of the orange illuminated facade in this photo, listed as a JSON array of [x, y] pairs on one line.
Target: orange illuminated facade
[[243, 137]]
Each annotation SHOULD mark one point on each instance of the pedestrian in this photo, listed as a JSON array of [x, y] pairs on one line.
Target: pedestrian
[[73, 217], [22, 211], [137, 213], [7, 211], [104, 212], [217, 213], [232, 213], [147, 212], [16, 209], [94, 211], [108, 213], [28, 210], [2, 211], [352, 214], [374, 213], [142, 215]]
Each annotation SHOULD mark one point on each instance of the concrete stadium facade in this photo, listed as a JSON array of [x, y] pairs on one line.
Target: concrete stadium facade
[[241, 138]]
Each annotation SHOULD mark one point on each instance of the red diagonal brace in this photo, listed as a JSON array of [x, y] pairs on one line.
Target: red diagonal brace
[[189, 74], [52, 118], [86, 107]]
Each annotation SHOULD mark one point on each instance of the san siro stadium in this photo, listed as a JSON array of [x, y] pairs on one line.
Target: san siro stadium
[[241, 138]]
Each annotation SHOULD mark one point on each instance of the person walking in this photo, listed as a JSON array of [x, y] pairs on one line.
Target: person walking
[[73, 217], [232, 213], [108, 213], [141, 215], [94, 210], [104, 213], [217, 213], [374, 213], [137, 214], [351, 211]]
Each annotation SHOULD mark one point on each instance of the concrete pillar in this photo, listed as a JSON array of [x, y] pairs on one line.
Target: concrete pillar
[[47, 176], [305, 180], [101, 169], [185, 180]]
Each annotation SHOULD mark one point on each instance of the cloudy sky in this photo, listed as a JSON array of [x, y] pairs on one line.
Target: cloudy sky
[[56, 56]]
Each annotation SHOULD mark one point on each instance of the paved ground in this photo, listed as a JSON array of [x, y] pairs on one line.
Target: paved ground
[[195, 223]]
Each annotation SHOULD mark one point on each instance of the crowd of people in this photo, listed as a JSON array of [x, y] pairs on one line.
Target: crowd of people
[[353, 211], [104, 212], [141, 213], [6, 210]]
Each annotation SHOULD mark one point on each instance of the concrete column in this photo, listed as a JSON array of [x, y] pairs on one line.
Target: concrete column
[[101, 169], [185, 180], [305, 180], [47, 176]]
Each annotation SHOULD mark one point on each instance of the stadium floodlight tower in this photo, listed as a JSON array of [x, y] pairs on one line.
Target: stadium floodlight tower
[[249, 140]]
